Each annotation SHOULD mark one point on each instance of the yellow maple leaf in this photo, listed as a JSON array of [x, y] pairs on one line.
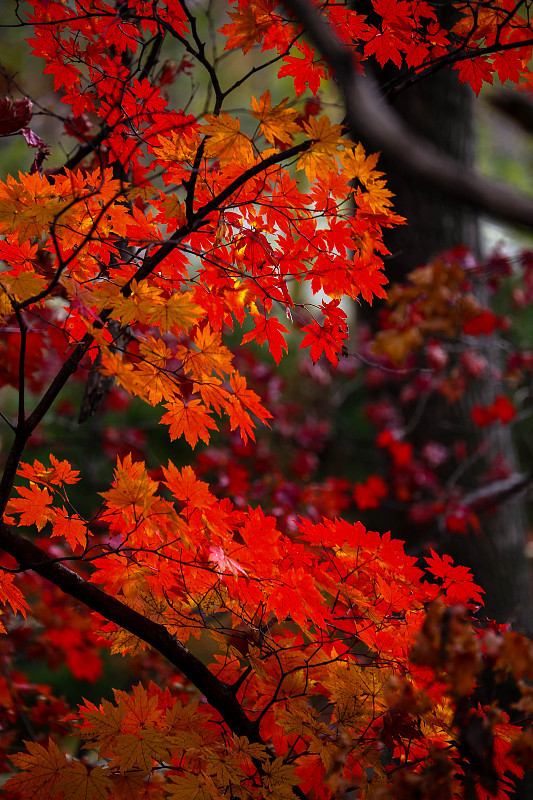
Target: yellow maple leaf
[[177, 313], [224, 140], [357, 692], [146, 192], [174, 209], [250, 750], [123, 642], [278, 780], [398, 344], [357, 165], [133, 489], [78, 781], [5, 305], [325, 141], [140, 303], [192, 787], [139, 749], [128, 785], [225, 766], [40, 770], [24, 285], [275, 123], [179, 726]]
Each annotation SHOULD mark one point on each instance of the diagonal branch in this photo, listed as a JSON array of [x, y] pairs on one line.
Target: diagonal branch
[[219, 694], [202, 213], [371, 118]]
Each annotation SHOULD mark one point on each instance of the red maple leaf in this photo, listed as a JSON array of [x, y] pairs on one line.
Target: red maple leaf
[[323, 339], [457, 581], [271, 330], [368, 495], [304, 70]]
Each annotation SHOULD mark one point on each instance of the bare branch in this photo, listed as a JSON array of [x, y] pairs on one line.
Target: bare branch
[[516, 106], [497, 492]]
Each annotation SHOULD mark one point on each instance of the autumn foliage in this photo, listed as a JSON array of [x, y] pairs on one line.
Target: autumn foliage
[[275, 650]]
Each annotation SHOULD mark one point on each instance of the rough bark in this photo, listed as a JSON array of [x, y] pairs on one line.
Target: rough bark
[[440, 110]]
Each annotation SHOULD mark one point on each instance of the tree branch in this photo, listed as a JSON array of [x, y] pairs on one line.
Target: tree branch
[[372, 119], [515, 106], [497, 492], [218, 693], [200, 215]]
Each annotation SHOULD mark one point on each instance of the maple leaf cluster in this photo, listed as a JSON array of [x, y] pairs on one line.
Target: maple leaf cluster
[[305, 655]]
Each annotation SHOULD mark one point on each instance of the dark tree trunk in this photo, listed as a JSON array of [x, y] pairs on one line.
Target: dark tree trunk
[[441, 110]]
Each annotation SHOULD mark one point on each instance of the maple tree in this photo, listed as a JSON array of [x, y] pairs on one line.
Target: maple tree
[[282, 653]]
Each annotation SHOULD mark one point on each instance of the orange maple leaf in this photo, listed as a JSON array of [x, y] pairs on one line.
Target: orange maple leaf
[[250, 23], [213, 394], [212, 355], [190, 419], [275, 123], [102, 725], [24, 284], [225, 141], [243, 401], [60, 472], [152, 380], [73, 528], [142, 301], [358, 165], [194, 495], [41, 770], [33, 506], [78, 780], [321, 155], [132, 490], [10, 594], [177, 313]]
